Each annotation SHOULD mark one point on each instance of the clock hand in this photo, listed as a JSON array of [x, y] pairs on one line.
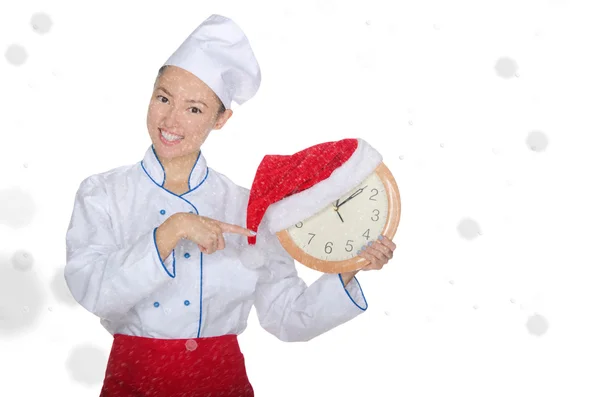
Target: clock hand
[[356, 193], [340, 215], [335, 208]]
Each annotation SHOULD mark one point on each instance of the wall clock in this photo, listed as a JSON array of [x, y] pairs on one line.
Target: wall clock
[[329, 240]]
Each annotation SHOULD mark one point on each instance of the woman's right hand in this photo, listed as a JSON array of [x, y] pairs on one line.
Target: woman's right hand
[[207, 233]]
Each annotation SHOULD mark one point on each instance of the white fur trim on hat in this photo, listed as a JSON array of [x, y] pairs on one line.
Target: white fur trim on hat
[[309, 202]]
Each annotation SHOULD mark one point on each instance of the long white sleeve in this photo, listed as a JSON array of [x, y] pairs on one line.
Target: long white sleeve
[[105, 278], [293, 312]]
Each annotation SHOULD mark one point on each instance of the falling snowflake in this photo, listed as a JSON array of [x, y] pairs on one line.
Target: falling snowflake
[[16, 55], [22, 261], [506, 67], [191, 345], [41, 22], [87, 364], [537, 325], [468, 229], [537, 141]]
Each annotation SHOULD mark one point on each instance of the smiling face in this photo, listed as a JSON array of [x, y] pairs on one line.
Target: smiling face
[[182, 112]]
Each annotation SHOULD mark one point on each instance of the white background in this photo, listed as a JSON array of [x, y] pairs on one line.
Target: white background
[[485, 111]]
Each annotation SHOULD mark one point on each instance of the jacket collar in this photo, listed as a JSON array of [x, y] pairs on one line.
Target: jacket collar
[[155, 171]]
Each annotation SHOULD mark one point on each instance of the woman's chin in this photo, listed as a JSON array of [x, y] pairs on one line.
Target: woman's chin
[[171, 152]]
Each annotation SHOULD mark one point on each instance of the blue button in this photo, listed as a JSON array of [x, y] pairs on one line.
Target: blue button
[[156, 304], [187, 255], [187, 303], [162, 212]]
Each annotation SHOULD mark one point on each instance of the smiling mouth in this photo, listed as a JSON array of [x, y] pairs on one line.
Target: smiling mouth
[[169, 137]]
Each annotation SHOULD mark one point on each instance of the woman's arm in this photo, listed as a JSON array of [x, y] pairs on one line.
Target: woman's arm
[[348, 276], [104, 277], [291, 310]]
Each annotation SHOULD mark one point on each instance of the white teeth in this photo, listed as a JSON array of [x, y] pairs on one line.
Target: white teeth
[[170, 137]]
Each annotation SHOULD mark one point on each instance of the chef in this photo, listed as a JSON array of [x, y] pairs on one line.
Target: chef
[[156, 250]]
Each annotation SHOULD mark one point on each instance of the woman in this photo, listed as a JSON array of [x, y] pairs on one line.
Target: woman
[[156, 251]]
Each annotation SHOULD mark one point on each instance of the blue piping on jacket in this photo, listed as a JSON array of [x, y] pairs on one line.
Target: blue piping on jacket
[[160, 259], [195, 209], [350, 296]]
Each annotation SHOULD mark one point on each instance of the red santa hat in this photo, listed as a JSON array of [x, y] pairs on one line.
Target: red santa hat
[[288, 189]]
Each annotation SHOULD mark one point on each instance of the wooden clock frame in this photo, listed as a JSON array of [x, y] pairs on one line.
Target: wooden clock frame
[[355, 263]]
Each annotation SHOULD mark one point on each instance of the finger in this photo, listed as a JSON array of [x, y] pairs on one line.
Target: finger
[[381, 258], [214, 241], [208, 241], [210, 250], [368, 256], [383, 249], [220, 241], [387, 242], [367, 265], [229, 228], [370, 266], [206, 249], [219, 238]]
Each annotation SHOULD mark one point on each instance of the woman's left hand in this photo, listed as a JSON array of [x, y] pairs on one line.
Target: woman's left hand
[[377, 253]]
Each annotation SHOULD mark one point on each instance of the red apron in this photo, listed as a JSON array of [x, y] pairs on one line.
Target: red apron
[[145, 367]]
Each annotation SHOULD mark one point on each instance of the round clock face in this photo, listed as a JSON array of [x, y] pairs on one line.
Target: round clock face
[[340, 230]]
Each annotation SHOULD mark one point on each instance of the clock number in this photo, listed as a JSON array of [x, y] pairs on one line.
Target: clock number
[[367, 234], [376, 193], [330, 247], [377, 215], [299, 223], [348, 244], [313, 235]]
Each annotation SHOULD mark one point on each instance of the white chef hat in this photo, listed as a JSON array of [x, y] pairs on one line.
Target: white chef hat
[[219, 53]]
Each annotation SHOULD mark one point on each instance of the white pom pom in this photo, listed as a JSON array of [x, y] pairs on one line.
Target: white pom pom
[[253, 257]]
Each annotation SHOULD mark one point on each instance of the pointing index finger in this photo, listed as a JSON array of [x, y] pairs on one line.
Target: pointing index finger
[[229, 228]]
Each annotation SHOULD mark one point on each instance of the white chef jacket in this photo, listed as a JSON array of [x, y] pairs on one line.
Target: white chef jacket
[[114, 270]]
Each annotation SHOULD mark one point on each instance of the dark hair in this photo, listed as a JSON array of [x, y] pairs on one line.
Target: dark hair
[[221, 108]]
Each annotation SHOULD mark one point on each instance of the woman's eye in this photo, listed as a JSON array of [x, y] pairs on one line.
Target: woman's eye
[[162, 99], [195, 110]]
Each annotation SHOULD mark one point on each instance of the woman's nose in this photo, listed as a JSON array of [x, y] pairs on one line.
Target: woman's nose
[[170, 119]]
